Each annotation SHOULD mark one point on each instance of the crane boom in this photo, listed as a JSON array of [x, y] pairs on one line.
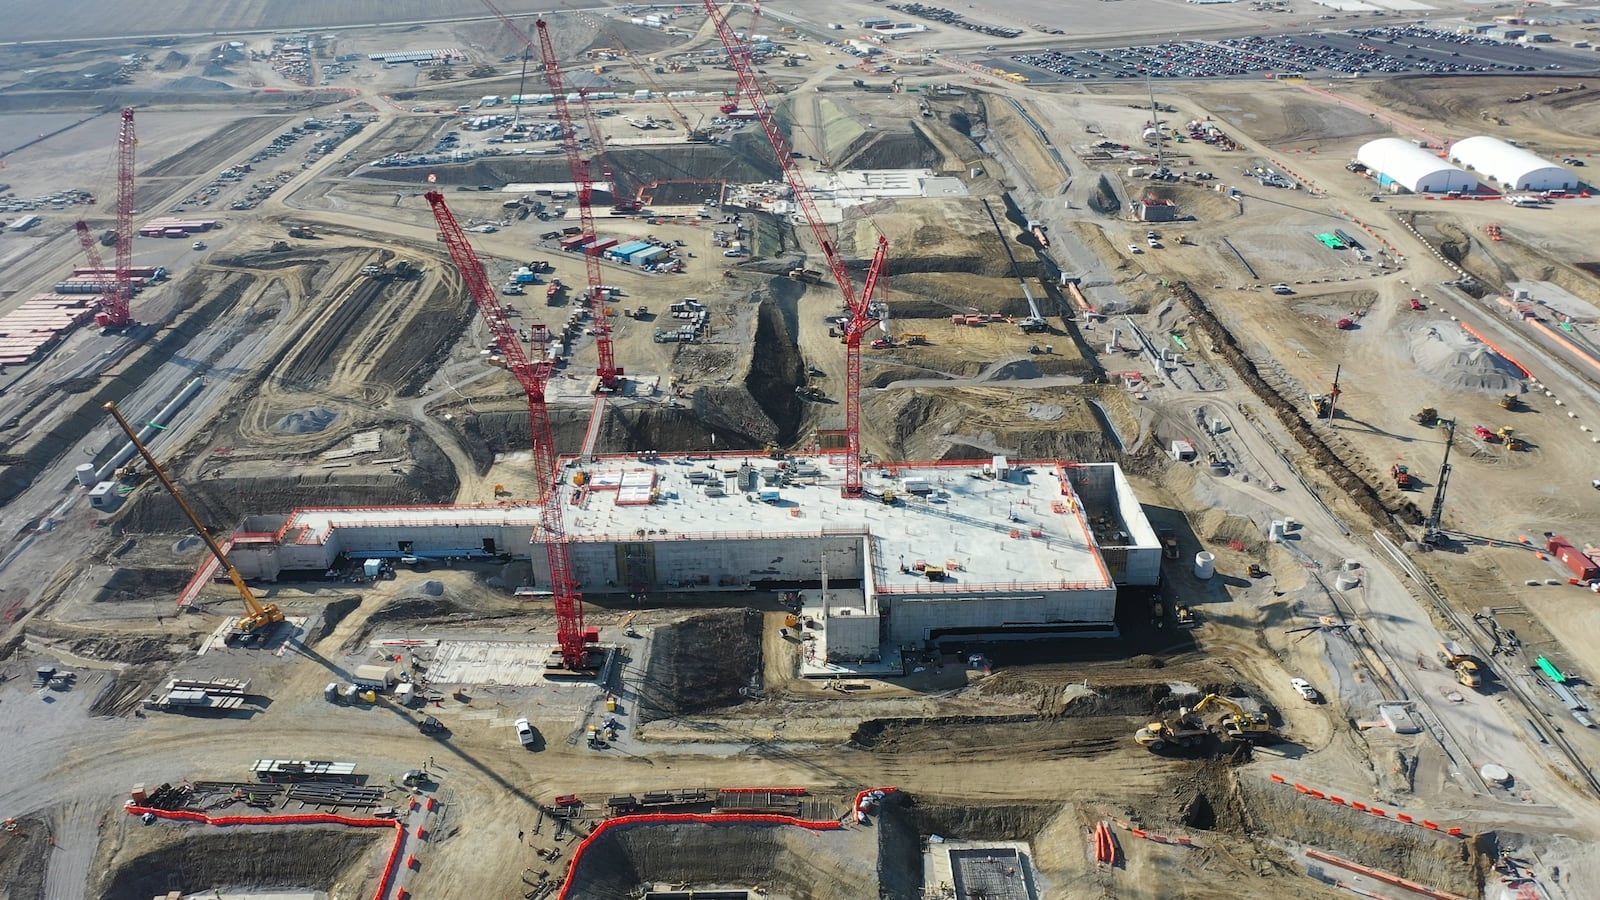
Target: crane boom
[[532, 376], [860, 305], [257, 614], [90, 252], [583, 179], [115, 308]]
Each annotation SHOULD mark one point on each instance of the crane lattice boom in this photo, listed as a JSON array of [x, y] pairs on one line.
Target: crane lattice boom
[[532, 375], [583, 177], [859, 305], [115, 311]]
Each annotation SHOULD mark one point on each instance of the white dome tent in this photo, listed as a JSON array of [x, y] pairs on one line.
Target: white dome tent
[[1402, 164], [1514, 168]]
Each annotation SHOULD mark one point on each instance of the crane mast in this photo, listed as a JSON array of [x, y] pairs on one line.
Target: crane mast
[[115, 307], [859, 305], [532, 376], [257, 615]]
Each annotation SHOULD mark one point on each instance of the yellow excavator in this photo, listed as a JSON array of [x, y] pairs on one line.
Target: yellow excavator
[[1239, 724], [1183, 730], [258, 616]]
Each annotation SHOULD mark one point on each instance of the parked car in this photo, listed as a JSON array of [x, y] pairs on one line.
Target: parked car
[[524, 732], [1304, 688]]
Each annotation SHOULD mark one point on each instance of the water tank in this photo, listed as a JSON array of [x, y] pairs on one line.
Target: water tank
[[1495, 774], [1275, 531], [86, 475], [1205, 565], [1344, 581]]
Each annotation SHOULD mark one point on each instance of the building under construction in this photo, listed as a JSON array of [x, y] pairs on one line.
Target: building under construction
[[933, 551]]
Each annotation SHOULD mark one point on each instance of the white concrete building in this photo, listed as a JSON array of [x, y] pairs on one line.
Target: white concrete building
[[1399, 164], [1512, 167], [933, 551]]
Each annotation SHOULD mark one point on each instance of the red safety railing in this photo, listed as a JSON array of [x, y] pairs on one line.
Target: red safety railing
[[385, 879], [701, 818]]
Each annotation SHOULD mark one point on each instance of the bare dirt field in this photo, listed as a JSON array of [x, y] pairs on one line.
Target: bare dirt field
[[333, 375]]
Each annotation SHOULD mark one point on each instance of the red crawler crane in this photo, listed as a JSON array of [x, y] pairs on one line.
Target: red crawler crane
[[583, 177], [573, 638], [114, 307], [860, 305]]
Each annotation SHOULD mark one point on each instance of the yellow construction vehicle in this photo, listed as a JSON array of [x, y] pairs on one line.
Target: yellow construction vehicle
[[257, 616], [1464, 664], [1508, 436], [1239, 724], [1184, 730], [1427, 418], [1510, 402]]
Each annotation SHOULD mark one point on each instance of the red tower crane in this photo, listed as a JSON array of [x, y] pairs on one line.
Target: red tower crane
[[573, 638], [861, 319], [114, 307], [583, 178]]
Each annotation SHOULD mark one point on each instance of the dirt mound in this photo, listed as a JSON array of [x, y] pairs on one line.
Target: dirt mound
[[260, 858], [701, 663], [964, 820], [786, 860], [974, 422], [1447, 354], [999, 737], [24, 856], [306, 421]]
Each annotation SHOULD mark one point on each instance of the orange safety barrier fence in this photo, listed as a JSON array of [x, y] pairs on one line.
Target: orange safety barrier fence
[[1526, 373]]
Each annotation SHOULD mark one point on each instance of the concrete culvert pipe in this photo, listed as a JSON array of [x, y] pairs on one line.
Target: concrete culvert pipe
[[1205, 565]]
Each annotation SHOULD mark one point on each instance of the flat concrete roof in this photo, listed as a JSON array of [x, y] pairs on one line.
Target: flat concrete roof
[[1026, 530]]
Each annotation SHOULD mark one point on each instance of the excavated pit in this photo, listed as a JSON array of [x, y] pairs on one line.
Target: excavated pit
[[257, 858], [682, 677], [778, 862]]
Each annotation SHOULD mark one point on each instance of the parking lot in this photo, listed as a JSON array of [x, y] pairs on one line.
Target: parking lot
[[1394, 50]]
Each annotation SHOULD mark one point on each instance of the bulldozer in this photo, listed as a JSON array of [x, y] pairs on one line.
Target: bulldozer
[[1510, 402], [1427, 418], [1238, 724]]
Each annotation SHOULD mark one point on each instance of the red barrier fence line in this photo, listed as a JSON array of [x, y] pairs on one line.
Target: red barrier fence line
[[788, 791], [384, 880], [701, 818]]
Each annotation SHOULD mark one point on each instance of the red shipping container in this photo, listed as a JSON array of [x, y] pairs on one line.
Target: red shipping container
[[1581, 565]]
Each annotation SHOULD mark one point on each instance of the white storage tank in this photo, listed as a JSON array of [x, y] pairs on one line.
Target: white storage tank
[[1275, 531], [86, 474], [1205, 565]]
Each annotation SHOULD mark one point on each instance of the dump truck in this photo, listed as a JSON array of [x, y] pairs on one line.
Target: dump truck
[[1427, 418], [1464, 664]]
